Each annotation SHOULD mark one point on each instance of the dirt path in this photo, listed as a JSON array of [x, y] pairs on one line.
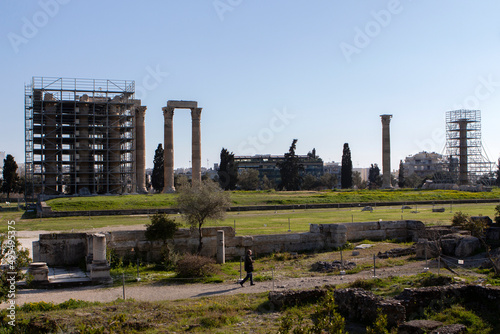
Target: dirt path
[[157, 292]]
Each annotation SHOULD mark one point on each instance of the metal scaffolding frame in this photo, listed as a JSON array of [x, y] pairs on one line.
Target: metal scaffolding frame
[[464, 146], [79, 136]]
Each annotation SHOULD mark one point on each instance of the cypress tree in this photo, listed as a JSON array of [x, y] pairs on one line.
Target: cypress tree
[[346, 169]]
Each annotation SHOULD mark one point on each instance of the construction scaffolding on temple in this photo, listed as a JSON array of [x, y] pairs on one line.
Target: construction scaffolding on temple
[[468, 161], [80, 136]]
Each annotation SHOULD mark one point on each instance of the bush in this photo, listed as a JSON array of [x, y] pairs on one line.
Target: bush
[[366, 284], [195, 266]]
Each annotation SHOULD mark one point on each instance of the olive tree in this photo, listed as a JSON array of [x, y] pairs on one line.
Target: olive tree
[[201, 202]]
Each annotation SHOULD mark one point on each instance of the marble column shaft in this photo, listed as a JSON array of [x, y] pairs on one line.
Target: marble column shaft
[[168, 152], [140, 148], [196, 145], [386, 151]]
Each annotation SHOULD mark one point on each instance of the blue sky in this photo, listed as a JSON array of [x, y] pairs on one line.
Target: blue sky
[[266, 72]]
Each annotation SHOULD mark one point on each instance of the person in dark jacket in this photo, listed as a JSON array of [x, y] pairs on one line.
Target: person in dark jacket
[[248, 268]]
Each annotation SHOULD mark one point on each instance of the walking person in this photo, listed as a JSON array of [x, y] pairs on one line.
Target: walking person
[[248, 268]]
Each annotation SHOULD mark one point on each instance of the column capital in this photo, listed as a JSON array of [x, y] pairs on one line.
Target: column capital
[[141, 109], [386, 119], [168, 112], [196, 113]]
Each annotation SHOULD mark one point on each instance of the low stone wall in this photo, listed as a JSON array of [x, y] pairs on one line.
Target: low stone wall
[[60, 249], [361, 305], [416, 301], [71, 248]]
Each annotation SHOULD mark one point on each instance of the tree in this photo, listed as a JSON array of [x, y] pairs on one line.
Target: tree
[[15, 258], [162, 228], [346, 169], [228, 170], [201, 202], [266, 184], [401, 176], [374, 178], [290, 170], [311, 182], [157, 179], [248, 179], [10, 177], [414, 181], [357, 181], [329, 180]]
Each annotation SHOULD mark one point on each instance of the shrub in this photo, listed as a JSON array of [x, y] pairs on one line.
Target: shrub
[[380, 324], [195, 266], [366, 284]]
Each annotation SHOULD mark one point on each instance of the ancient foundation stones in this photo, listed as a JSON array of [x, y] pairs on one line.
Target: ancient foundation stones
[[361, 305]]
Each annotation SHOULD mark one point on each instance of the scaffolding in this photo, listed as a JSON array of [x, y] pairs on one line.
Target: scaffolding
[[79, 136], [469, 163]]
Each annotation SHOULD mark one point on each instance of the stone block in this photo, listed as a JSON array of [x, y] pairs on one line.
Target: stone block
[[467, 246], [314, 228], [391, 225], [39, 271], [419, 326], [247, 242]]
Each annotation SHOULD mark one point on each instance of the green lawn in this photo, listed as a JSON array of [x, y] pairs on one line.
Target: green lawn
[[260, 222], [246, 198]]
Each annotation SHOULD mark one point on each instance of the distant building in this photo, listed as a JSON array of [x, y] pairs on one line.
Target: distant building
[[426, 163], [267, 165], [363, 172]]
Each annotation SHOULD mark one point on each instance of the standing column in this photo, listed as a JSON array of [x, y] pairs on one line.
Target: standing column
[[168, 152], [140, 148], [196, 145], [386, 151], [463, 177]]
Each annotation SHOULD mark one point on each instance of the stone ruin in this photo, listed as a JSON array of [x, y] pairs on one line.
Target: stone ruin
[[328, 267], [359, 305]]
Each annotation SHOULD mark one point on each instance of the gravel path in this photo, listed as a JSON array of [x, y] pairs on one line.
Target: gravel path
[[157, 292]]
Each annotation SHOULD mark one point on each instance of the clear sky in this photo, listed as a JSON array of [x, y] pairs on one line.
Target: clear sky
[[266, 72]]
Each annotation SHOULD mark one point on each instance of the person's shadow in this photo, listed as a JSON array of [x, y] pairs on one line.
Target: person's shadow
[[211, 293]]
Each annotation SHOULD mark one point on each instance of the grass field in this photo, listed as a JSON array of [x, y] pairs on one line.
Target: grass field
[[259, 222], [246, 198]]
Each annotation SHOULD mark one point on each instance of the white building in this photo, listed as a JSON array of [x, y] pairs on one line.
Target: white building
[[425, 163]]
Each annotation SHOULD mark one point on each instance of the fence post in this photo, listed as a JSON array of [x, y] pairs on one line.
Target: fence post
[[123, 282]]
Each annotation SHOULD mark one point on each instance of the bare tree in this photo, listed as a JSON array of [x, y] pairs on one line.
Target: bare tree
[[202, 202]]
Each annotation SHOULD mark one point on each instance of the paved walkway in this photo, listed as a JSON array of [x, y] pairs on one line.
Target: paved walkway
[[174, 291]]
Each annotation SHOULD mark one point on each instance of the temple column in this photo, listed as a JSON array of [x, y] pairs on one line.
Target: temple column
[[168, 152], [196, 145], [386, 151], [140, 148]]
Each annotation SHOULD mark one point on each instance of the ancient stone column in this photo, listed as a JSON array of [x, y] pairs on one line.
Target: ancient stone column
[[99, 247], [140, 148], [463, 177], [168, 152], [221, 249], [196, 145], [99, 270], [386, 151]]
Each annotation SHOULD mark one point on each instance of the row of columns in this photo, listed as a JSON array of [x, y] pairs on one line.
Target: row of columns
[[168, 151]]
